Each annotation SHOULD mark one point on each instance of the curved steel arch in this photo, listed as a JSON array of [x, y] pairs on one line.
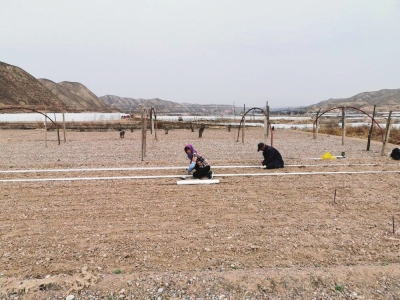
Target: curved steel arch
[[36, 111], [240, 124], [355, 108]]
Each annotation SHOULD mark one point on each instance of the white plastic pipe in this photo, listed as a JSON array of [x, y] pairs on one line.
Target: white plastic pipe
[[307, 173], [197, 181], [179, 176], [175, 168]]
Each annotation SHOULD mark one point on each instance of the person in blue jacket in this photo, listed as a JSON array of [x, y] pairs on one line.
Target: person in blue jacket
[[272, 157], [198, 163]]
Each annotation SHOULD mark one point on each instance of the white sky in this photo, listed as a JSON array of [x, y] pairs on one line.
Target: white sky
[[289, 53]]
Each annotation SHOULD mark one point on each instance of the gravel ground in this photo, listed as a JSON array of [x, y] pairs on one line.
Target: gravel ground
[[79, 221]]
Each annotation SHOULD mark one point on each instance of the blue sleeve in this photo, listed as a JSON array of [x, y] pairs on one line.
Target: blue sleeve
[[191, 166]]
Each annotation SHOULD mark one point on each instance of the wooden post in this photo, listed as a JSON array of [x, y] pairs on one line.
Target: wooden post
[[146, 121], [244, 122], [155, 127], [45, 130], [387, 133], [315, 129], [393, 224], [201, 129], [272, 138], [266, 121], [58, 129], [371, 128], [143, 111], [265, 128], [63, 116], [151, 122], [343, 124]]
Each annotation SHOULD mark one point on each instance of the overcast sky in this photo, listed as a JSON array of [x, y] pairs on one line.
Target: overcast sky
[[289, 53]]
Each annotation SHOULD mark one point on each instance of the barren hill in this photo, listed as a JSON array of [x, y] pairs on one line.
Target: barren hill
[[19, 88], [76, 96], [384, 100], [130, 105]]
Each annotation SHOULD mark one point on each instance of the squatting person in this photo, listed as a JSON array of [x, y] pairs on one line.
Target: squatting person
[[272, 157], [198, 163]]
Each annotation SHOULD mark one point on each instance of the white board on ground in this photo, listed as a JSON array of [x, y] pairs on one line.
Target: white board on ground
[[197, 181]]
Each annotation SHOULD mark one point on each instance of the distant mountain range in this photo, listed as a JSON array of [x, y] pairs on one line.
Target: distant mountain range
[[131, 105], [384, 100], [20, 89]]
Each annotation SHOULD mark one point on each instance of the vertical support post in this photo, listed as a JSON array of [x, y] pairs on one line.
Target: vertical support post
[[63, 117], [343, 124], [387, 133], [272, 138], [316, 125], [371, 128], [393, 224], [58, 129], [142, 111], [45, 129], [244, 122], [265, 124], [155, 127], [151, 121], [146, 122]]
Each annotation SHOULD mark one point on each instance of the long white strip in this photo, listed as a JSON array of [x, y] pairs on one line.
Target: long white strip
[[174, 168], [88, 178], [204, 181], [92, 169], [179, 176], [307, 173]]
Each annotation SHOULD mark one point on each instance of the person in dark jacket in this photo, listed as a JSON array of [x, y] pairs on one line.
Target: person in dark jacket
[[272, 157]]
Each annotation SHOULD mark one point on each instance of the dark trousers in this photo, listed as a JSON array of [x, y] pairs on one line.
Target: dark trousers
[[275, 164], [201, 172]]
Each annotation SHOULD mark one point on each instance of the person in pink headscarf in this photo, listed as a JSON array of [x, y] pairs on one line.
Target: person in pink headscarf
[[198, 163]]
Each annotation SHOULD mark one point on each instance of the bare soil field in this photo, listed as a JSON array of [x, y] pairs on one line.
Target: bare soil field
[[91, 219]]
